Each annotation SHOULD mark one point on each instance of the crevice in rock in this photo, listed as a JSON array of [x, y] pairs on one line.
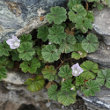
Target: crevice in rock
[[28, 107]]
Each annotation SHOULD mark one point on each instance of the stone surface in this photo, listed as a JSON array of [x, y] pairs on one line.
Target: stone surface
[[99, 102], [16, 78], [101, 56], [102, 24], [22, 16]]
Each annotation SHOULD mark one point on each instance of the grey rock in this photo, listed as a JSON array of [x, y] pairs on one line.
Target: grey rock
[[16, 78], [101, 56], [22, 16], [101, 101], [102, 24]]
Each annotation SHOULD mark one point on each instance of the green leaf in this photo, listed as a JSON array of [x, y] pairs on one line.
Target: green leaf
[[57, 15], [77, 13], [65, 72], [6, 62], [91, 87], [56, 34], [30, 66], [43, 33], [4, 49], [49, 72], [52, 92], [79, 52], [79, 81], [26, 38], [35, 84], [26, 51], [15, 55], [72, 3], [103, 78], [3, 72], [84, 24], [66, 85], [38, 51], [90, 70], [93, 0], [90, 44], [66, 97], [50, 53], [67, 45]]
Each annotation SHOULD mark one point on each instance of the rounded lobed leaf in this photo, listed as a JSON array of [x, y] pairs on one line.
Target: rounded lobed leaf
[[50, 53], [49, 72], [57, 15], [90, 44], [65, 72], [35, 84], [67, 45], [90, 70], [52, 92], [43, 33], [26, 51], [56, 34]]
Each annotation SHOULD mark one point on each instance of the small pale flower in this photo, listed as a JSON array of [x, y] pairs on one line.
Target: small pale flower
[[14, 42], [76, 70]]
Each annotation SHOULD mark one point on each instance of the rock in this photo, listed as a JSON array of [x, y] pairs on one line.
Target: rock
[[16, 78], [101, 101], [101, 56], [22, 16], [102, 24]]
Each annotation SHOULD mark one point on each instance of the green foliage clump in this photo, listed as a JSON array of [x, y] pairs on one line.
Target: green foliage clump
[[50, 56], [30, 66]]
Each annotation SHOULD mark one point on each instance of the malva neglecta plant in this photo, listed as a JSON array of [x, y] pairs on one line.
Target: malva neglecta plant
[[56, 56]]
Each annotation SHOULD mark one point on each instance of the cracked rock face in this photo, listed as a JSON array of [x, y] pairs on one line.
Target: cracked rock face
[[101, 56], [22, 16], [99, 102], [102, 24]]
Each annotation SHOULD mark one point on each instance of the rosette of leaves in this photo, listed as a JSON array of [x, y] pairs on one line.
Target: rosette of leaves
[[4, 49], [35, 84], [90, 44], [79, 81], [56, 34], [3, 72], [30, 66], [52, 92], [50, 53], [90, 88], [26, 38], [79, 16], [79, 52], [103, 78], [65, 72], [43, 33], [67, 44], [49, 72], [90, 70], [57, 15], [26, 51]]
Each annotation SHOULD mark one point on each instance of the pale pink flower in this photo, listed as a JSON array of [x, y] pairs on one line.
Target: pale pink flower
[[76, 70], [14, 42]]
